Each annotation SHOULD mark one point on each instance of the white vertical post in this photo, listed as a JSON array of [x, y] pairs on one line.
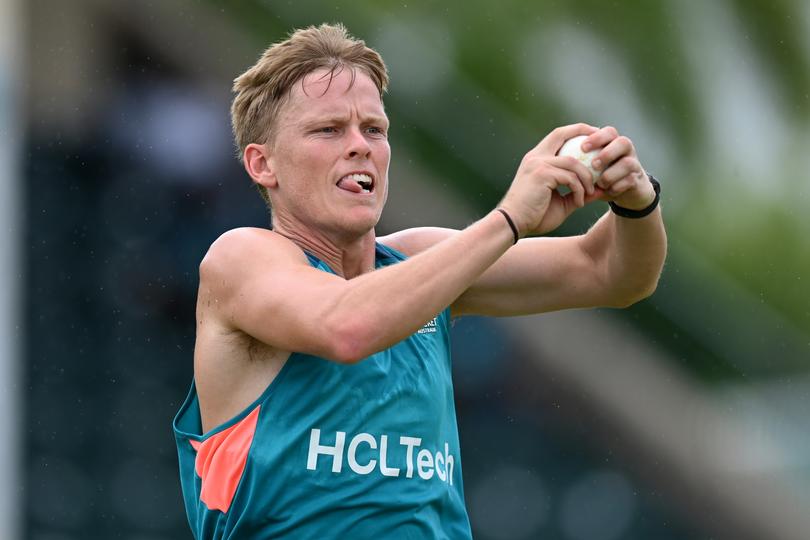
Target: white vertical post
[[11, 271]]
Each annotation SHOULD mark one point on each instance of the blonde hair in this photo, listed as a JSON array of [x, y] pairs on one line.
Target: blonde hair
[[265, 87]]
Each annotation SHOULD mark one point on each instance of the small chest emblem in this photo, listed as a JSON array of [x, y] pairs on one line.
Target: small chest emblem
[[430, 327]]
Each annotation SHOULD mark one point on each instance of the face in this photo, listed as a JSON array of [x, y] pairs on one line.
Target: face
[[329, 158]]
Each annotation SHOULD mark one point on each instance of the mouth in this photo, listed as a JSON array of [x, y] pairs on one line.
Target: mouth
[[357, 182]]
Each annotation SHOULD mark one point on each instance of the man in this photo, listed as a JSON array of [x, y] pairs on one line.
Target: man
[[322, 405]]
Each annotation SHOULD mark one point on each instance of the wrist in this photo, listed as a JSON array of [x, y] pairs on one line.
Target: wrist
[[639, 212], [518, 218], [638, 198], [509, 221]]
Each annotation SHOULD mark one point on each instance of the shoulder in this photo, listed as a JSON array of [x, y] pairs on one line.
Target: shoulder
[[236, 242], [413, 241], [238, 251]]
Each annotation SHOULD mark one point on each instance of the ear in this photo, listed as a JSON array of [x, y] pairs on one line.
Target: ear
[[258, 165]]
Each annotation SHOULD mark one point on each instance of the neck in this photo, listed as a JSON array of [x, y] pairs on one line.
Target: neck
[[347, 255]]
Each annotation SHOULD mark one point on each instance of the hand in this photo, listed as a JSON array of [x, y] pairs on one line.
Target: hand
[[533, 199], [623, 179]]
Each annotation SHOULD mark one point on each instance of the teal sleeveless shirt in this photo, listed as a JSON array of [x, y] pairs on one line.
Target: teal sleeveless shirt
[[362, 451]]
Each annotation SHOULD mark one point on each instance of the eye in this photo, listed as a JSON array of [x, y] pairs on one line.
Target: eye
[[327, 129], [375, 130]]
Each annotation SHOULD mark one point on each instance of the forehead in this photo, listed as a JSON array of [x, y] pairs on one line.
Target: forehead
[[344, 91]]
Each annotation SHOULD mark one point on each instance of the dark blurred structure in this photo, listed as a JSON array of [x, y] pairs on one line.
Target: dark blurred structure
[[129, 176]]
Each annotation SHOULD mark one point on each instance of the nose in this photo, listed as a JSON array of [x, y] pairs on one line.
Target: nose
[[357, 144]]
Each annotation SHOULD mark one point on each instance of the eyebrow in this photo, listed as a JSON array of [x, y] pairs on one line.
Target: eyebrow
[[341, 119]]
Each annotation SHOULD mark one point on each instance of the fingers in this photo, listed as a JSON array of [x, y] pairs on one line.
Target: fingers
[[616, 149], [620, 186], [564, 176], [599, 138], [626, 183], [623, 168], [582, 172], [615, 162], [552, 142]]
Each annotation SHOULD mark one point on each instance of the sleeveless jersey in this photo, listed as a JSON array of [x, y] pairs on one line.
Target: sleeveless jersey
[[362, 451]]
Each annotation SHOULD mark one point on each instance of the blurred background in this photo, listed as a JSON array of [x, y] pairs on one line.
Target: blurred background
[[683, 417]]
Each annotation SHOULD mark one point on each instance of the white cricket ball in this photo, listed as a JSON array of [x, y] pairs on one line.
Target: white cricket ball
[[573, 148]]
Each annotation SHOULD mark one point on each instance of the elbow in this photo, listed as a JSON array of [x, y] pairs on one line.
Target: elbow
[[347, 351], [350, 341], [635, 295]]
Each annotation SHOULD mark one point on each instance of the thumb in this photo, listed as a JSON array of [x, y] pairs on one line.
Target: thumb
[[552, 142]]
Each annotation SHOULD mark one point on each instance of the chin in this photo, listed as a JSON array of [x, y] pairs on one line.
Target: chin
[[360, 223]]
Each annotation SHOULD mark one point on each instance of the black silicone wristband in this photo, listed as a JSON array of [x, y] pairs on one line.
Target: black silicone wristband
[[637, 214], [511, 223]]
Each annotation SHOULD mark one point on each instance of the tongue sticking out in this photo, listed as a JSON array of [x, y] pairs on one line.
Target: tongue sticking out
[[349, 184]]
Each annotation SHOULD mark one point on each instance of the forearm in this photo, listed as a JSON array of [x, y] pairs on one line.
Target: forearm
[[628, 254], [383, 307]]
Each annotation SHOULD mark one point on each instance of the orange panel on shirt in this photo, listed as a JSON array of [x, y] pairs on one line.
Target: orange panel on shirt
[[221, 461]]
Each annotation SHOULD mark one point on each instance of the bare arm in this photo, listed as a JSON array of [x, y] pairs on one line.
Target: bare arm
[[616, 263], [630, 254], [260, 283]]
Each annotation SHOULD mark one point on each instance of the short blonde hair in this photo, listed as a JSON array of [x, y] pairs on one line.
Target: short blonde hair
[[265, 87]]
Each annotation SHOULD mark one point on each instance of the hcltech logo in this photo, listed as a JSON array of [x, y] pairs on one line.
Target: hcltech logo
[[426, 464]]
